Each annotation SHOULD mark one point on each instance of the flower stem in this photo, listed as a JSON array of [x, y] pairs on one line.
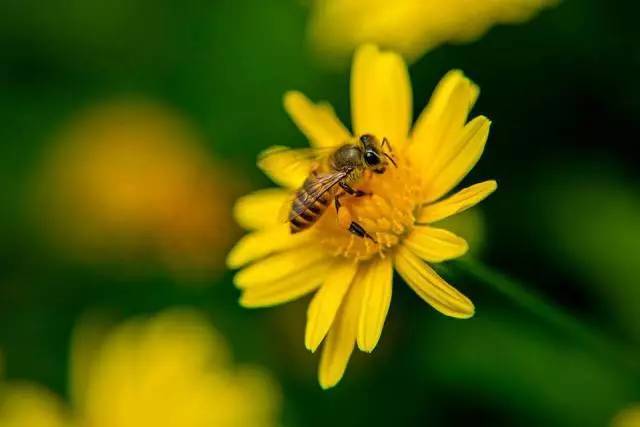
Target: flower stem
[[552, 314]]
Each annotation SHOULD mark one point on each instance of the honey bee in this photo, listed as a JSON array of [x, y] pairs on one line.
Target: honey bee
[[332, 177]]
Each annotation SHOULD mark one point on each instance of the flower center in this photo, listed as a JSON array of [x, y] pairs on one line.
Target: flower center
[[387, 215]]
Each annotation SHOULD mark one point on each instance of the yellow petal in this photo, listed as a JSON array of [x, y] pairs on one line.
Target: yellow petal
[[317, 121], [87, 340], [440, 124], [627, 417], [285, 166], [327, 300], [435, 244], [261, 209], [378, 279], [26, 404], [459, 202], [278, 266], [261, 243], [447, 109], [431, 287], [462, 158], [381, 95], [411, 27], [341, 338], [287, 288]]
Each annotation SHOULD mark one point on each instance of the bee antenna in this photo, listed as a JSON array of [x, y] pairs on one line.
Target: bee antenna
[[390, 159]]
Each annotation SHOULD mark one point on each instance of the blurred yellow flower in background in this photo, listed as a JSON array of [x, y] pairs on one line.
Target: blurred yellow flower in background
[[27, 405], [23, 404], [169, 370], [172, 369], [629, 417], [411, 27], [353, 275], [130, 181]]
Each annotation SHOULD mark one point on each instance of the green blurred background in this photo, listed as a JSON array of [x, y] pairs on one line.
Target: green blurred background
[[562, 91]]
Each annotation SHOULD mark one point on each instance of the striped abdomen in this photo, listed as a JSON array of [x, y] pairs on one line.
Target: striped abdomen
[[305, 211]]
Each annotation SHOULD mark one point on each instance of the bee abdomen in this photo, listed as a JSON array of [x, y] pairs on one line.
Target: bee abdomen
[[303, 216]]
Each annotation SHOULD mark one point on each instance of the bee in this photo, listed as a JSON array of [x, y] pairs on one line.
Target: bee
[[333, 178]]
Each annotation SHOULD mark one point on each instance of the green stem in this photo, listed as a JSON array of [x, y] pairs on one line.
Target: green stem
[[554, 315]]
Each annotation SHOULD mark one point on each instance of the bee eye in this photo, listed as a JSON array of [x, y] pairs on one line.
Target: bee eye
[[371, 158]]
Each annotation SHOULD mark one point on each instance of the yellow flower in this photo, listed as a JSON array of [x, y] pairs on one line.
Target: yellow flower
[[28, 405], [411, 27], [353, 276], [629, 417], [173, 369], [169, 370], [131, 182], [23, 404]]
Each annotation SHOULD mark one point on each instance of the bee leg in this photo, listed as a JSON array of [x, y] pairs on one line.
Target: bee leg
[[337, 203], [353, 191], [345, 220], [344, 215], [359, 231]]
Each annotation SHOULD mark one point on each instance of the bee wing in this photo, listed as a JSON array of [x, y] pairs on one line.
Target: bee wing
[[289, 167], [315, 189]]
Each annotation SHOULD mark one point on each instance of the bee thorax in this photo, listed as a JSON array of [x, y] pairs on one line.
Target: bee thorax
[[348, 156]]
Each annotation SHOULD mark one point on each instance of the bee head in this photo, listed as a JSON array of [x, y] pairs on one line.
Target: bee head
[[372, 155]]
